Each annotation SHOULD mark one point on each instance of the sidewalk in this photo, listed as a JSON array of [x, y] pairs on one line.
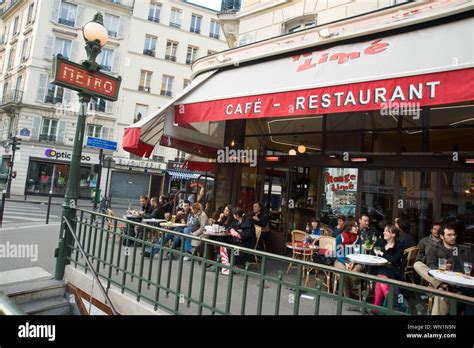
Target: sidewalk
[[58, 201]]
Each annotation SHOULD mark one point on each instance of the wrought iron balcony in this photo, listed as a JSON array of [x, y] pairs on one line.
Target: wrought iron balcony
[[214, 36], [195, 30], [106, 68], [112, 33], [148, 52], [166, 93], [154, 19], [98, 107], [172, 58], [67, 22], [175, 25], [47, 138], [51, 99], [144, 89], [14, 96]]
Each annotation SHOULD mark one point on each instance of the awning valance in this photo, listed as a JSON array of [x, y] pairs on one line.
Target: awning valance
[[183, 175]]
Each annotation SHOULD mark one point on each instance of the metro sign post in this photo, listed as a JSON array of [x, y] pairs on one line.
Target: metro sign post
[[88, 81]]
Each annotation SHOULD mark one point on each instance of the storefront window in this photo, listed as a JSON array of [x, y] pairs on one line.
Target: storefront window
[[377, 197], [338, 193], [416, 200], [457, 202], [47, 176]]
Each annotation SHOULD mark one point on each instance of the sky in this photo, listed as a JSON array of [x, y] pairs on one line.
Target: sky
[[214, 4]]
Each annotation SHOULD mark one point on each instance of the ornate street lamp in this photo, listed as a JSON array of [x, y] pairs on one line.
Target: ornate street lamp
[[95, 35]]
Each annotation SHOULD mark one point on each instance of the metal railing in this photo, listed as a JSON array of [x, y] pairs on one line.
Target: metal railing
[[68, 22], [47, 138], [182, 287], [154, 19], [8, 306], [13, 96]]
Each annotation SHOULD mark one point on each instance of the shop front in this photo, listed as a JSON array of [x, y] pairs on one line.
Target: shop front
[[377, 123]]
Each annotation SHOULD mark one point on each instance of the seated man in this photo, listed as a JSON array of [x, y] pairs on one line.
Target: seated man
[[146, 205], [260, 218], [429, 242], [456, 256]]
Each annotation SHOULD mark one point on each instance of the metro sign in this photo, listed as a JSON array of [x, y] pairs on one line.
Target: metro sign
[[76, 77]]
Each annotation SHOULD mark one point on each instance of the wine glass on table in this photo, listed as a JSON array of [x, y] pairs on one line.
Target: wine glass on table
[[467, 268], [442, 265]]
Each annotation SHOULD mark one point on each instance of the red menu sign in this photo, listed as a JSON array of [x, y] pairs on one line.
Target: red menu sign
[[75, 76]]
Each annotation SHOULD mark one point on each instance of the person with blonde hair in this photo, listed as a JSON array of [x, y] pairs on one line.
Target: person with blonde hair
[[195, 226]]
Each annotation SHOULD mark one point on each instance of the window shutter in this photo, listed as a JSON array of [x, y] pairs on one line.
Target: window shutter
[[42, 85], [105, 133], [19, 52], [121, 27], [116, 61], [7, 33], [36, 128], [67, 96], [61, 132], [48, 49], [109, 107], [74, 51], [80, 16], [27, 52], [55, 10]]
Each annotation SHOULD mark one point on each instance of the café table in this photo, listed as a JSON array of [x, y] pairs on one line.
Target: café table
[[364, 259], [171, 224], [153, 235], [225, 233], [453, 278]]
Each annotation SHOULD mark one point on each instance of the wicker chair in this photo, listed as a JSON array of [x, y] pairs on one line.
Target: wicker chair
[[299, 236], [411, 254], [328, 244]]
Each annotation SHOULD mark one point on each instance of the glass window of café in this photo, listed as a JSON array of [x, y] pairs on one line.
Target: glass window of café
[[53, 176]]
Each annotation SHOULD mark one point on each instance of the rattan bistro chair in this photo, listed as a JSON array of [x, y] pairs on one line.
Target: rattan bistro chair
[[111, 225], [411, 254], [328, 244], [258, 233], [299, 236]]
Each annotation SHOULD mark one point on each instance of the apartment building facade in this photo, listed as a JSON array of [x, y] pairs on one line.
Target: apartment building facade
[[44, 115], [166, 37]]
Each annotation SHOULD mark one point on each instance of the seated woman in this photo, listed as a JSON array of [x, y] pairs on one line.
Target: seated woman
[[313, 229], [243, 235], [345, 243], [196, 227], [225, 219], [391, 249]]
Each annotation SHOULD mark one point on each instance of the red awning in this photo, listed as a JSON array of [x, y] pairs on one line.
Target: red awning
[[403, 70]]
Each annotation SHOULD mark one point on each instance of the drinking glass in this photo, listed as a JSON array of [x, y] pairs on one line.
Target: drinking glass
[[442, 264], [356, 249], [377, 249], [467, 268]]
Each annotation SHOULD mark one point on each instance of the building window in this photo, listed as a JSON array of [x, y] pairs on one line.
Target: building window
[[94, 131], [175, 19], [49, 130], [105, 59], [215, 27], [16, 27], [154, 14], [150, 45], [24, 50], [171, 48], [186, 83], [62, 46], [11, 58], [98, 104], [195, 24], [29, 17], [5, 92], [301, 26], [141, 110], [145, 81], [191, 55], [211, 52], [167, 86], [111, 22], [67, 15], [55, 94]]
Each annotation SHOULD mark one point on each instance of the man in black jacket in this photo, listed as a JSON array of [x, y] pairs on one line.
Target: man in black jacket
[[157, 211], [146, 205]]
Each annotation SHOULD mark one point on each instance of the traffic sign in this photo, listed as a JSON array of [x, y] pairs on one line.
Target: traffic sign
[[102, 144]]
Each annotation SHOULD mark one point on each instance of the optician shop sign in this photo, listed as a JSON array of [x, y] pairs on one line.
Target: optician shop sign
[[63, 155]]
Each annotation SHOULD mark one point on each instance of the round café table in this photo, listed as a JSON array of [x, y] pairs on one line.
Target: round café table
[[453, 278], [370, 260], [171, 225], [225, 233]]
